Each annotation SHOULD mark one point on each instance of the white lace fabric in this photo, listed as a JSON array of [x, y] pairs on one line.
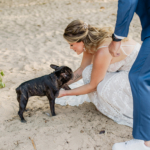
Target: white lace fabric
[[126, 63], [113, 96]]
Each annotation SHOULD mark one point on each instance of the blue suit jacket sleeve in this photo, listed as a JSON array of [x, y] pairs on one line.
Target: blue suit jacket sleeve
[[126, 9]]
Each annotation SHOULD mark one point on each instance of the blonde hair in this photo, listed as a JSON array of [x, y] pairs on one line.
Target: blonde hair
[[91, 36]]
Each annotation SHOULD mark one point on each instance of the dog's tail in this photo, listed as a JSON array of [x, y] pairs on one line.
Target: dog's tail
[[18, 94], [18, 90]]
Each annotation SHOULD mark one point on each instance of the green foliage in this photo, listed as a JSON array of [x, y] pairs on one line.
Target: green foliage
[[2, 85]]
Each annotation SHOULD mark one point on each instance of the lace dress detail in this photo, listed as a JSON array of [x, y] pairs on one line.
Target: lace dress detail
[[113, 97]]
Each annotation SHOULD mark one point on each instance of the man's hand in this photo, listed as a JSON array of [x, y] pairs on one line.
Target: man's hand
[[114, 48]]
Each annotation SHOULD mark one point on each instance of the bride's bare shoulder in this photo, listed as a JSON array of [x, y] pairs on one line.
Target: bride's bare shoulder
[[102, 55], [129, 41]]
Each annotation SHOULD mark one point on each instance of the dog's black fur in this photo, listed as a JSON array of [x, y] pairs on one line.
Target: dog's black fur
[[48, 85]]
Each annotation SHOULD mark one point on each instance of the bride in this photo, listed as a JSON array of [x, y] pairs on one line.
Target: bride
[[101, 78]]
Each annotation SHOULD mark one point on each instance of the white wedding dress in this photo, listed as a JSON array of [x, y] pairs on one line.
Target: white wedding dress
[[113, 97]]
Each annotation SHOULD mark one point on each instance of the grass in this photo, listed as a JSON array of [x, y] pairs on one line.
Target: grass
[[2, 85]]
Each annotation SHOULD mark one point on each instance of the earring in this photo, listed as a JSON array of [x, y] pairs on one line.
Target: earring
[[84, 49]]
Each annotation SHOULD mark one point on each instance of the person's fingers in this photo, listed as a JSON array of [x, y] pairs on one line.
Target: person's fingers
[[112, 54], [115, 54], [118, 52]]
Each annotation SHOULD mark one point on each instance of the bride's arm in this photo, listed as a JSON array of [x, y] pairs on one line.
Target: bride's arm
[[100, 65], [77, 76], [86, 60]]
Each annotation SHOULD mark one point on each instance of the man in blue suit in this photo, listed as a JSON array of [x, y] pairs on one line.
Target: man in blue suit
[[139, 75]]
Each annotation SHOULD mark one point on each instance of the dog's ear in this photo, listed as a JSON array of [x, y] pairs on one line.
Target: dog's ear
[[54, 66]]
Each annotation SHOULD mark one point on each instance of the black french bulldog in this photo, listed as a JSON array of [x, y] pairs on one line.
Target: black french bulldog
[[48, 85]]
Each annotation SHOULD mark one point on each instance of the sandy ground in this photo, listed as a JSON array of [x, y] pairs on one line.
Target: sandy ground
[[30, 40]]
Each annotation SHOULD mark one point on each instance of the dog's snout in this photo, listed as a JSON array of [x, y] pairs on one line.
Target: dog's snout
[[64, 75]]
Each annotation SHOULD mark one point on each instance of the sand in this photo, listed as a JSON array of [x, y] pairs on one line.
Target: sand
[[30, 40]]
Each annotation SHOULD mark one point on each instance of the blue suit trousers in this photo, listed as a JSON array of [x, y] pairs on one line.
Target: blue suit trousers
[[139, 78]]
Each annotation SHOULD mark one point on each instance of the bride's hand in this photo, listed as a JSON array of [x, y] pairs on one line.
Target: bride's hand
[[62, 93]]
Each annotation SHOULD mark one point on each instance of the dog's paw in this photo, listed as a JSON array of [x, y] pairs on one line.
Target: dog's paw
[[53, 114], [23, 121]]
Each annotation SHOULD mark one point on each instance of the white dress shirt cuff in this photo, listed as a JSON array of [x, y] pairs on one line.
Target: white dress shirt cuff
[[119, 37]]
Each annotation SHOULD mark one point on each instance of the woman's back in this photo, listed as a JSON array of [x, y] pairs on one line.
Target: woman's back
[[128, 53], [127, 62], [113, 96]]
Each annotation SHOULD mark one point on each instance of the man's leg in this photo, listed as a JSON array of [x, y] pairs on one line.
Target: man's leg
[[139, 77]]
